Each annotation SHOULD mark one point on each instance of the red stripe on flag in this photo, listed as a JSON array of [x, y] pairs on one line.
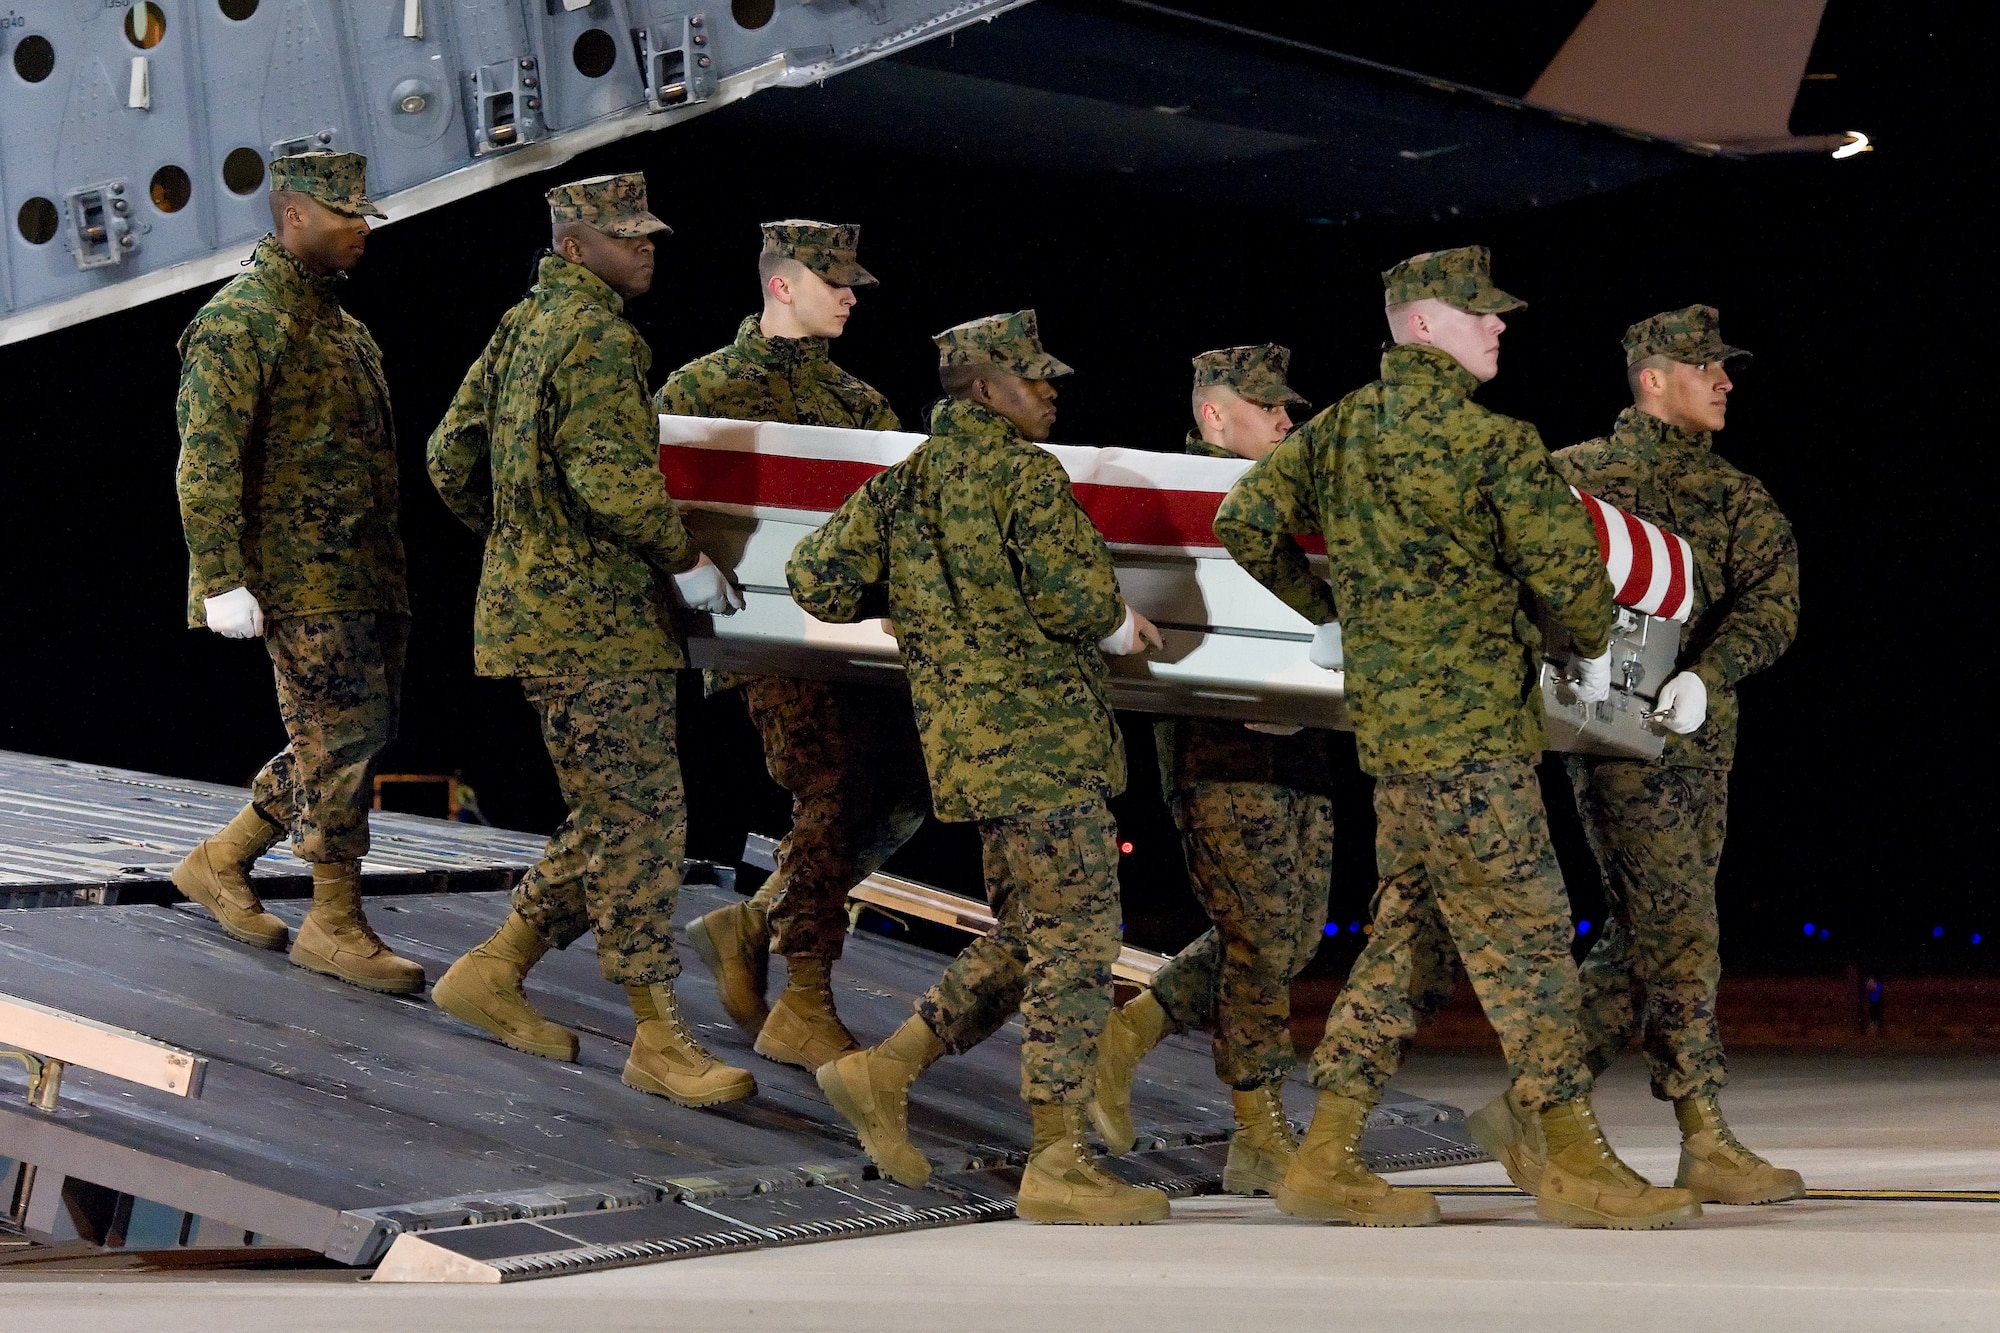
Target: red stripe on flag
[[726, 476], [1641, 577], [1677, 578], [1595, 508]]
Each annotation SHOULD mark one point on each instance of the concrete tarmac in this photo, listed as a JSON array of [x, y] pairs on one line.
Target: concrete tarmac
[[1237, 1265]]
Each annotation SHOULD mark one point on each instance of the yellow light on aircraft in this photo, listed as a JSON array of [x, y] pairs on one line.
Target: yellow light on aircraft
[[1857, 143]]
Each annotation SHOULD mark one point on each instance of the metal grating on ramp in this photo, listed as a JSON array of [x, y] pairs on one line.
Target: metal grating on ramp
[[73, 834]]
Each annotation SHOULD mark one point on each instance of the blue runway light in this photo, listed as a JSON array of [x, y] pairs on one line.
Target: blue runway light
[[1809, 928], [1354, 927], [1975, 937], [1583, 927], [1937, 932], [1333, 927], [1825, 934]]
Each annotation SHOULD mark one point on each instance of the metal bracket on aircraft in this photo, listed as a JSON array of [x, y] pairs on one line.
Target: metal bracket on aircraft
[[506, 105], [678, 71], [101, 230]]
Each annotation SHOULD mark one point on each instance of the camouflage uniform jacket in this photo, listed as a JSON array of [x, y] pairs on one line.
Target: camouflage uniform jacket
[[551, 451], [287, 473], [1438, 516], [757, 378], [999, 589], [1206, 749], [1746, 586]]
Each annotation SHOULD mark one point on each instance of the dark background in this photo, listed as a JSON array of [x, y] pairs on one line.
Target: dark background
[[1862, 801]]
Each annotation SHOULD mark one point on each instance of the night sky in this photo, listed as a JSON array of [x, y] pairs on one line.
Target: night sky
[[1862, 801]]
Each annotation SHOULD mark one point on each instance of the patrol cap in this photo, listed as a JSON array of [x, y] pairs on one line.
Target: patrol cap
[[1461, 278], [338, 180], [825, 248], [615, 205], [1692, 334], [1011, 343], [1256, 372]]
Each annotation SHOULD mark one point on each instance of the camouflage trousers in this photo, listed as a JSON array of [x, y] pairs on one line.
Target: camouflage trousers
[[340, 686], [1466, 869], [1260, 859], [848, 754], [1052, 879], [614, 864], [1653, 972]]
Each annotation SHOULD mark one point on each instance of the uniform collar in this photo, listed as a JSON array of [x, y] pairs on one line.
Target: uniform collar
[[753, 345], [1420, 363], [292, 285], [966, 419], [1203, 449], [560, 277], [1648, 432]]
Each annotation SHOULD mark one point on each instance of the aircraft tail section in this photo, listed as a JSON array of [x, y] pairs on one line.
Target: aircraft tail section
[[1721, 72]]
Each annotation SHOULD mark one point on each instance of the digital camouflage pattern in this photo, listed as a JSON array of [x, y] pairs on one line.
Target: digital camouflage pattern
[[551, 451], [1012, 343], [999, 589], [758, 378], [1260, 860], [1465, 868], [1746, 561], [848, 754], [1653, 970], [1196, 750], [1437, 515], [614, 864], [338, 180], [827, 249], [615, 205], [1461, 278], [287, 472], [1052, 881], [1256, 372], [1692, 334], [340, 686]]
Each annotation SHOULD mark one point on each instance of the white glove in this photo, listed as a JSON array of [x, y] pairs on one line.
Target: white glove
[[1326, 648], [1134, 634], [707, 588], [1274, 728], [235, 614], [1683, 704], [1591, 678]]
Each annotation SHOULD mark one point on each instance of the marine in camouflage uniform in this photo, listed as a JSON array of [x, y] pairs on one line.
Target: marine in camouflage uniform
[[549, 451], [289, 503], [1438, 516], [1253, 806], [999, 591], [847, 754], [1657, 826]]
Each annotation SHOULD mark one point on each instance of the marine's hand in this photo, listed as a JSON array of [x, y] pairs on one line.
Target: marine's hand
[[1326, 651], [235, 614], [1132, 633], [707, 588], [1683, 704], [1591, 677], [1274, 728]]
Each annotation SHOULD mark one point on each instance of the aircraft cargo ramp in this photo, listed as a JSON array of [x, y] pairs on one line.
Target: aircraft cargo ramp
[[372, 1129]]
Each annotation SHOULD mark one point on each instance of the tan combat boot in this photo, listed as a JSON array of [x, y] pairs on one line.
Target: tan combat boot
[[1328, 1180], [335, 938], [668, 1062], [1061, 1183], [1718, 1169], [1584, 1184], [803, 1028], [734, 943], [1512, 1137], [1262, 1148], [1130, 1032], [216, 874], [484, 989], [871, 1088]]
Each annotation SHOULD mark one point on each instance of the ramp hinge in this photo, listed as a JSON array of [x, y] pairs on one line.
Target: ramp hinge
[[506, 105], [102, 230], [675, 62]]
